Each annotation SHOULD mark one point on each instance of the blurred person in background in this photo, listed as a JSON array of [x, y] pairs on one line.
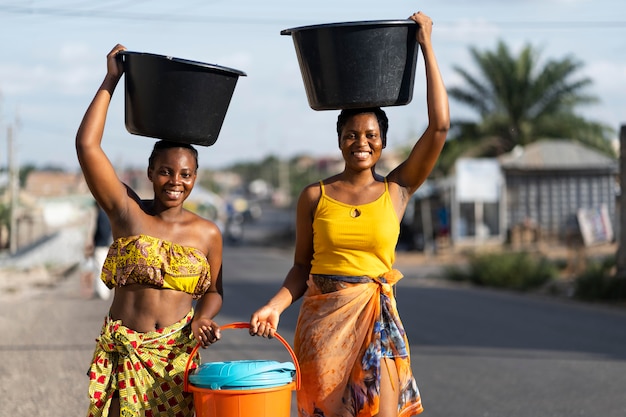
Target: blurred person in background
[[96, 250]]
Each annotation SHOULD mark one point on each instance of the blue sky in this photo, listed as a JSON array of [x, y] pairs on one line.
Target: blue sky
[[53, 60]]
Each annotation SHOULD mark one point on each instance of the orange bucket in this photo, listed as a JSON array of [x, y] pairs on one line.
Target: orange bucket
[[272, 401]]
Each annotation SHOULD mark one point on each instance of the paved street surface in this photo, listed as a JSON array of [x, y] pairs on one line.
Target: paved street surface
[[476, 352]]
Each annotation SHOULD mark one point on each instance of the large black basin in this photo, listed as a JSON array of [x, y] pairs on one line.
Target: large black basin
[[176, 99], [357, 64]]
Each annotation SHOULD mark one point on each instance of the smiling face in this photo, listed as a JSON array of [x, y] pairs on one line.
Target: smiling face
[[173, 174], [360, 141]]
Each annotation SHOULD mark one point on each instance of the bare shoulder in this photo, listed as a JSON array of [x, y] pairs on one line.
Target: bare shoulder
[[205, 225], [206, 232], [309, 198], [311, 194], [312, 190]]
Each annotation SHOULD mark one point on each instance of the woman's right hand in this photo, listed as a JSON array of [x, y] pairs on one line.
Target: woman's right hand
[[264, 322]]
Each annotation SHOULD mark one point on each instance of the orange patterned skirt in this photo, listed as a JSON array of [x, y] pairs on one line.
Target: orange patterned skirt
[[342, 338]]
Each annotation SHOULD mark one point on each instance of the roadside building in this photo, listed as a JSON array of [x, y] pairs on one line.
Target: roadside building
[[550, 191], [554, 185]]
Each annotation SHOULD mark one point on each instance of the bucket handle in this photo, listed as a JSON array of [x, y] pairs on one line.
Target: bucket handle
[[243, 325]]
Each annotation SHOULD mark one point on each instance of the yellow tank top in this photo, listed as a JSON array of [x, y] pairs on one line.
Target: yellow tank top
[[354, 240], [159, 263]]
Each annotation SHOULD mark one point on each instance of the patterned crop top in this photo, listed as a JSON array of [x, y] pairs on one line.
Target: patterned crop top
[[151, 261]]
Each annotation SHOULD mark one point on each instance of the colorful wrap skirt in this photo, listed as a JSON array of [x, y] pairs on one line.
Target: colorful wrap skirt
[[342, 338], [146, 370]]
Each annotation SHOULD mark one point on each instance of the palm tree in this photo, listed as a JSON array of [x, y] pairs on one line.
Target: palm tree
[[519, 102]]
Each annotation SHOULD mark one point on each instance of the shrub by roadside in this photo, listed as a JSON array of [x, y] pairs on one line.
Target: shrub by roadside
[[598, 282], [520, 271]]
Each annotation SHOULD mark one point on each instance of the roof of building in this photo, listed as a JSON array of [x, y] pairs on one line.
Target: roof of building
[[55, 183], [556, 154]]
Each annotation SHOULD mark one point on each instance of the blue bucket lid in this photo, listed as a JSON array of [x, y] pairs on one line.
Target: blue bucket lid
[[245, 374]]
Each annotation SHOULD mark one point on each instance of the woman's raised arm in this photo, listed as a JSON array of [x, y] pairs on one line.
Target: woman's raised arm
[[107, 189], [421, 161]]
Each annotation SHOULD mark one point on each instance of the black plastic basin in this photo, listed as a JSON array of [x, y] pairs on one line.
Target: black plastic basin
[[357, 64], [176, 99]]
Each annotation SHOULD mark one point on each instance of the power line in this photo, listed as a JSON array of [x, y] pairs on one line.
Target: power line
[[117, 15], [553, 24], [94, 13]]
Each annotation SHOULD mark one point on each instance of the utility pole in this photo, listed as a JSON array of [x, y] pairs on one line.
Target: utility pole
[[621, 249], [14, 184], [284, 180]]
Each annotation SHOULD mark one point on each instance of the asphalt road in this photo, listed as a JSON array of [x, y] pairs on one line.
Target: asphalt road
[[475, 352]]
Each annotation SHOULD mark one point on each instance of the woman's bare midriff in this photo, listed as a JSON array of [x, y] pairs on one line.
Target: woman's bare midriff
[[144, 309]]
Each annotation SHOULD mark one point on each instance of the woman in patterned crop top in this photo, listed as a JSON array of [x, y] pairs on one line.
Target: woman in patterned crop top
[[162, 258], [350, 342]]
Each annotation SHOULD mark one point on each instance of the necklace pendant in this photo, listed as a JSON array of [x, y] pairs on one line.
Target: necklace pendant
[[355, 212]]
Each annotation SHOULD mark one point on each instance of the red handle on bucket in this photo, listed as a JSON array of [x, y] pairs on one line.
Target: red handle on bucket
[[244, 325]]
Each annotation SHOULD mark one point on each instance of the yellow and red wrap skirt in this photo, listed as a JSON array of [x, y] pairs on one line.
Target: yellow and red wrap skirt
[[146, 370]]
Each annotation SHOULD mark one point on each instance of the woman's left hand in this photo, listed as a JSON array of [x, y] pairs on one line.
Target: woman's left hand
[[205, 331], [425, 24]]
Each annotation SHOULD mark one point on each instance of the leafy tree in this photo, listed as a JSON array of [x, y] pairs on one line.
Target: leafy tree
[[519, 101], [24, 172]]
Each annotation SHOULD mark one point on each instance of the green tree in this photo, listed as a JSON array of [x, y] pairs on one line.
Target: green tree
[[24, 172], [520, 100]]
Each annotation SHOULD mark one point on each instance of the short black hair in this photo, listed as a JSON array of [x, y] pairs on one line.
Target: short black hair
[[381, 116], [164, 145]]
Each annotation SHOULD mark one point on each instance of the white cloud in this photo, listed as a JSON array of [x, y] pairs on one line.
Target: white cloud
[[608, 75], [467, 31]]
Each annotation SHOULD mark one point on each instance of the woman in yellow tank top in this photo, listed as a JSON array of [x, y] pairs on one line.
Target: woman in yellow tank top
[[351, 346], [162, 258]]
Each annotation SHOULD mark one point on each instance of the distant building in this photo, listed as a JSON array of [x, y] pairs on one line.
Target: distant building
[[477, 201], [55, 183], [549, 181], [535, 193], [48, 201]]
